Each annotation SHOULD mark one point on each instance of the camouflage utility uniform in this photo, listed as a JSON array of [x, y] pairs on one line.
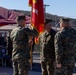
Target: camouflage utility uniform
[[21, 50], [65, 41], [47, 52]]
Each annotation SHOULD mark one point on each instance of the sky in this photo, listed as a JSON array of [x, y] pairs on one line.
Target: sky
[[65, 8]]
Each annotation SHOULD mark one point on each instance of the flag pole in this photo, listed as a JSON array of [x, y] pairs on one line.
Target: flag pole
[[31, 54], [31, 58]]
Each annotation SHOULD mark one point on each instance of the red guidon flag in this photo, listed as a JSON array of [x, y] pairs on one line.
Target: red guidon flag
[[37, 18]]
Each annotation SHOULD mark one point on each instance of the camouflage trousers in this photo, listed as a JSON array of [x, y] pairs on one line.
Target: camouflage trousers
[[47, 67], [66, 69], [20, 67]]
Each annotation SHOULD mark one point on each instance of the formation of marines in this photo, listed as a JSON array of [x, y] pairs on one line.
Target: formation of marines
[[57, 49]]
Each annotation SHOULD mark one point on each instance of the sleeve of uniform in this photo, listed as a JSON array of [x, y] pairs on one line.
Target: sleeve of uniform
[[33, 32], [58, 48], [11, 35]]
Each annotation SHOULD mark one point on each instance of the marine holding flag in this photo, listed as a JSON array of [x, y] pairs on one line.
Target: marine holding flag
[[21, 47]]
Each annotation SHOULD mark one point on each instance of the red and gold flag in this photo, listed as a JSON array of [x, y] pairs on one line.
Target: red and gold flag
[[37, 18]]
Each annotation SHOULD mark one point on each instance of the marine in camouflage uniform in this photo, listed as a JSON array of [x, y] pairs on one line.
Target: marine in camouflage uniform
[[65, 41], [21, 50], [47, 51]]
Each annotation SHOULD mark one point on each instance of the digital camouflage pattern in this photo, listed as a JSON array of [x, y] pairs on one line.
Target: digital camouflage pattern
[[65, 45], [21, 50], [21, 67], [47, 52]]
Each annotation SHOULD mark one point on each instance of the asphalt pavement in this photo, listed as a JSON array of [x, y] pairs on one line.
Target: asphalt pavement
[[36, 68]]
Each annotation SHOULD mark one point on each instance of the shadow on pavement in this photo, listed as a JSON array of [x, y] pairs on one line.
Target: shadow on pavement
[[36, 67]]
